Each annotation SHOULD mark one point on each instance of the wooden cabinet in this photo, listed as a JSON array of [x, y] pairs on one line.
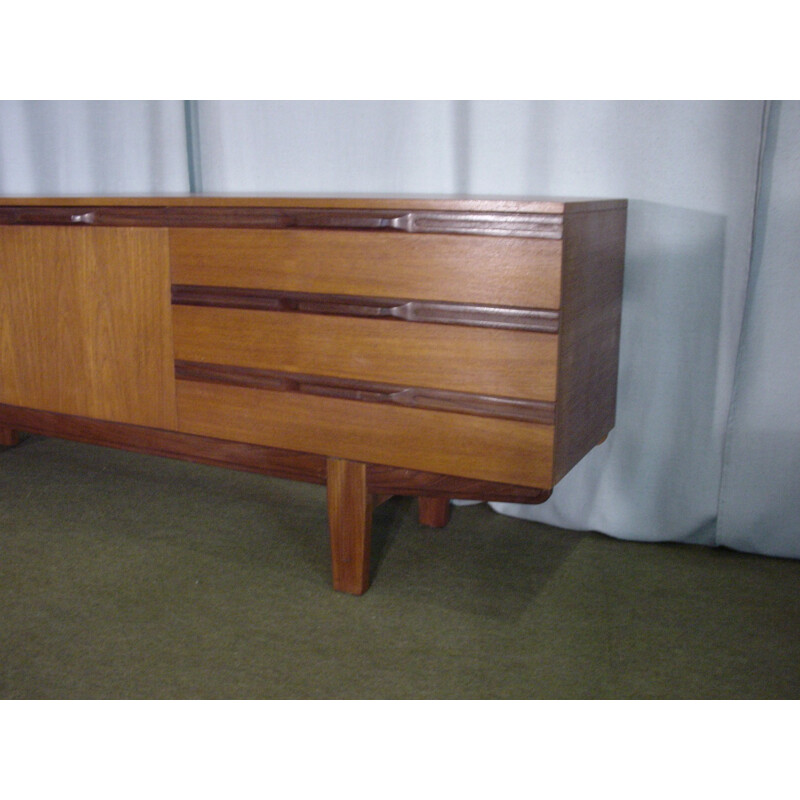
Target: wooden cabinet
[[439, 348]]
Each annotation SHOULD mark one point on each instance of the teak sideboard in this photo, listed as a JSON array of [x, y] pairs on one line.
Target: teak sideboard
[[439, 348]]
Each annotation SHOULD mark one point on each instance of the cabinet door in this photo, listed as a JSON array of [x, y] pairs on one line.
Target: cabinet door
[[85, 322]]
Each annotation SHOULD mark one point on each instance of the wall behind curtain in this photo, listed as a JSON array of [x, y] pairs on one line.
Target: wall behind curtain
[[689, 170], [92, 147]]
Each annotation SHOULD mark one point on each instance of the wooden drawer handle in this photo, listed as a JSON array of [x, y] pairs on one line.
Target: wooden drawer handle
[[537, 320]]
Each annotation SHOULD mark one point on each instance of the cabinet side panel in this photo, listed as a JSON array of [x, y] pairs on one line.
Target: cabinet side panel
[[591, 291], [85, 326]]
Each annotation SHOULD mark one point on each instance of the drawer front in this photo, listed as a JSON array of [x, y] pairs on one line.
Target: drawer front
[[484, 361], [431, 352], [434, 441], [505, 271]]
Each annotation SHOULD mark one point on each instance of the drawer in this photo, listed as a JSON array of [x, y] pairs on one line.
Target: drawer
[[484, 361], [433, 441], [506, 271]]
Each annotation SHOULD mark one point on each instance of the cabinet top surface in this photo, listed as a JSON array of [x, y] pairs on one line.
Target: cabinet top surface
[[529, 205]]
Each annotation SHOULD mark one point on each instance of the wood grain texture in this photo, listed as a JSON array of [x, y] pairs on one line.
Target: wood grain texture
[[370, 391], [350, 525], [85, 325], [435, 441], [546, 226], [461, 269], [434, 512], [500, 204], [287, 464], [594, 254], [481, 361], [535, 320], [416, 483], [382, 480]]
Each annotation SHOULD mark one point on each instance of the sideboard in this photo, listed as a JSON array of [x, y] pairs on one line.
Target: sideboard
[[438, 348]]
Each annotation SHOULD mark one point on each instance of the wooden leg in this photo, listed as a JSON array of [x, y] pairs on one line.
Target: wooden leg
[[350, 522], [434, 511], [8, 436]]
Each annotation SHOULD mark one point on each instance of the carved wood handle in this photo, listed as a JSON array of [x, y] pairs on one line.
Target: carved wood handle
[[526, 225]]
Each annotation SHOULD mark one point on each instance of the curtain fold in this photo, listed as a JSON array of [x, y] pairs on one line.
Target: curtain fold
[[759, 507], [329, 147], [92, 147]]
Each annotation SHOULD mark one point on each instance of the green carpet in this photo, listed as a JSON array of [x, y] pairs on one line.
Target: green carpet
[[128, 576]]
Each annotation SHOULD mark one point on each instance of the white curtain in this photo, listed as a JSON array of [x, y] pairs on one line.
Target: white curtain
[[92, 147], [759, 508], [708, 433], [329, 147]]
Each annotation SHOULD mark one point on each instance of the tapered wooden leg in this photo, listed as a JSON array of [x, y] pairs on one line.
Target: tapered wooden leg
[[8, 436], [434, 511], [350, 522]]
